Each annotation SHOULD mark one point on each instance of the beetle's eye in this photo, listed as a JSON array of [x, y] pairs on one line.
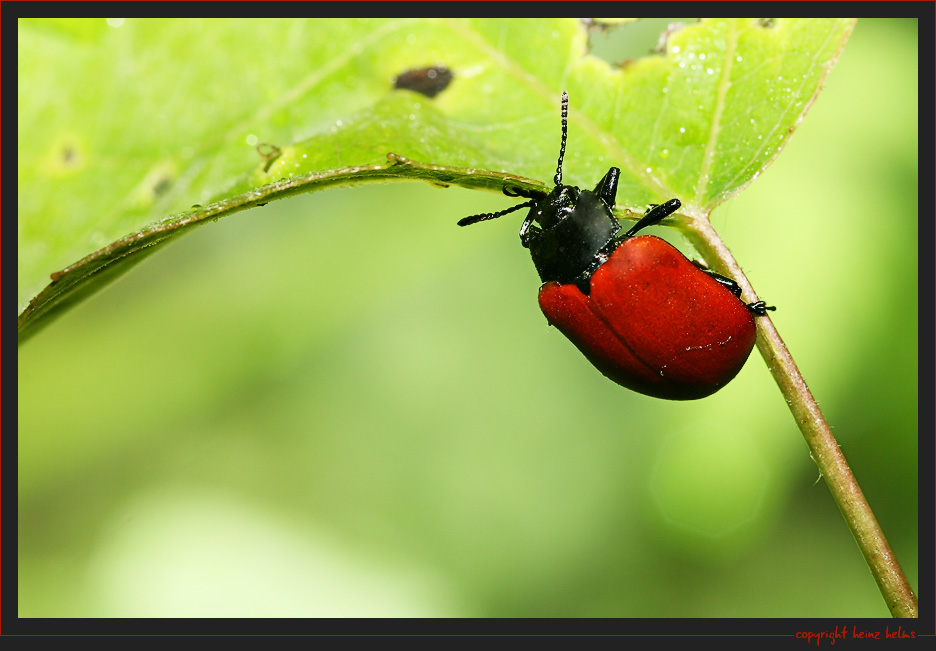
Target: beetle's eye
[[556, 207], [566, 199]]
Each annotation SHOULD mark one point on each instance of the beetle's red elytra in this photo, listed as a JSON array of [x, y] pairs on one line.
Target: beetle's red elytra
[[692, 337], [640, 311]]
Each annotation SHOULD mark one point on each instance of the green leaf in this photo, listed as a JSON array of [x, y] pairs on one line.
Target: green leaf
[[134, 132]]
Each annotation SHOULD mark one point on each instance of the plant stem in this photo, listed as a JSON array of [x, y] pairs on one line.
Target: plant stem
[[822, 444], [838, 476]]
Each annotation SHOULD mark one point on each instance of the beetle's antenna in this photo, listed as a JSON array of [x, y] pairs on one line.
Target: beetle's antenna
[[474, 219], [565, 128]]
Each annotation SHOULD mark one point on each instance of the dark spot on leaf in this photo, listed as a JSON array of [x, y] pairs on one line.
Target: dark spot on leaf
[[269, 153], [425, 81], [767, 22]]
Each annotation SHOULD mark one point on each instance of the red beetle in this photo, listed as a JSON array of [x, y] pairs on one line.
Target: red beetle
[[636, 307]]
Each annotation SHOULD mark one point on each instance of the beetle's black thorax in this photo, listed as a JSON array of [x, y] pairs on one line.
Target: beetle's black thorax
[[574, 228]]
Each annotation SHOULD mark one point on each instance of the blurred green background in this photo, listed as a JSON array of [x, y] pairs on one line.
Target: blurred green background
[[410, 439]]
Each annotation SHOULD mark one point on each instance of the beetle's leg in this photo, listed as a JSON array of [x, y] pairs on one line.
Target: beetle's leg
[[725, 282], [654, 215], [528, 231], [526, 194], [758, 307]]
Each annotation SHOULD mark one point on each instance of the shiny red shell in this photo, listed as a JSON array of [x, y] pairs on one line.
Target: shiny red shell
[[654, 322]]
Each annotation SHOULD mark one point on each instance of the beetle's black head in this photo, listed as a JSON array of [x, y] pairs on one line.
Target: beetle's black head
[[568, 229]]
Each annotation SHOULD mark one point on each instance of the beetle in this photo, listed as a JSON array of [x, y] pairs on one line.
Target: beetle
[[640, 311]]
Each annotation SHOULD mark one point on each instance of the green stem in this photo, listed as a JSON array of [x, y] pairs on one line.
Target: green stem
[[822, 445]]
